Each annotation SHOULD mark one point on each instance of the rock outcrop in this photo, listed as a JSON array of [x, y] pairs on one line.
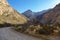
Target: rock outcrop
[[9, 15]]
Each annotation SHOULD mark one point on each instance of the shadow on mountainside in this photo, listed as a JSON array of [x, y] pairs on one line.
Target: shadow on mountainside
[[9, 25]]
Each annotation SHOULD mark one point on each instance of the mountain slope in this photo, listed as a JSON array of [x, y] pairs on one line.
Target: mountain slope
[[9, 15], [31, 14], [52, 16]]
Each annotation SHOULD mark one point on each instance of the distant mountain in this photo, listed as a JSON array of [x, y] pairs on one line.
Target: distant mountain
[[28, 13], [34, 16], [31, 14], [52, 16], [41, 12], [9, 15]]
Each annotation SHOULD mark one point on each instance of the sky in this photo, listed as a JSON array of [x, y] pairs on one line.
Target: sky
[[34, 5]]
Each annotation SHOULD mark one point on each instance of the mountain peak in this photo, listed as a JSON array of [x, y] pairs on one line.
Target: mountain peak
[[28, 13], [29, 10]]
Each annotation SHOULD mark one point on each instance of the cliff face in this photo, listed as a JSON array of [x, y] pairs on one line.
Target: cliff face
[[52, 16], [9, 15]]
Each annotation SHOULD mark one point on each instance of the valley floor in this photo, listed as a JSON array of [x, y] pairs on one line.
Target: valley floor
[[8, 34]]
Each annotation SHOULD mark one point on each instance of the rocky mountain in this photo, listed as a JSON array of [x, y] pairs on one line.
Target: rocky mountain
[[41, 12], [32, 15], [38, 15], [47, 23], [52, 16], [28, 13], [9, 15]]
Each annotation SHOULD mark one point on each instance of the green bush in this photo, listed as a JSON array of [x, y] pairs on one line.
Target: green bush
[[46, 30], [41, 31]]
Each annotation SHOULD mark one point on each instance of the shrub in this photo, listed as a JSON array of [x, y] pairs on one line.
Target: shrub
[[46, 30]]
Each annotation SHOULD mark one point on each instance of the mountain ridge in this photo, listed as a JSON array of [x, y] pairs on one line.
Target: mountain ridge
[[52, 16]]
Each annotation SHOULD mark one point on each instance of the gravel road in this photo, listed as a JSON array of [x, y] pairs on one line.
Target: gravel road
[[7, 34]]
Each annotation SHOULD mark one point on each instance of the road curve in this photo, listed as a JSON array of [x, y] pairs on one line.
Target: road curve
[[7, 34]]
